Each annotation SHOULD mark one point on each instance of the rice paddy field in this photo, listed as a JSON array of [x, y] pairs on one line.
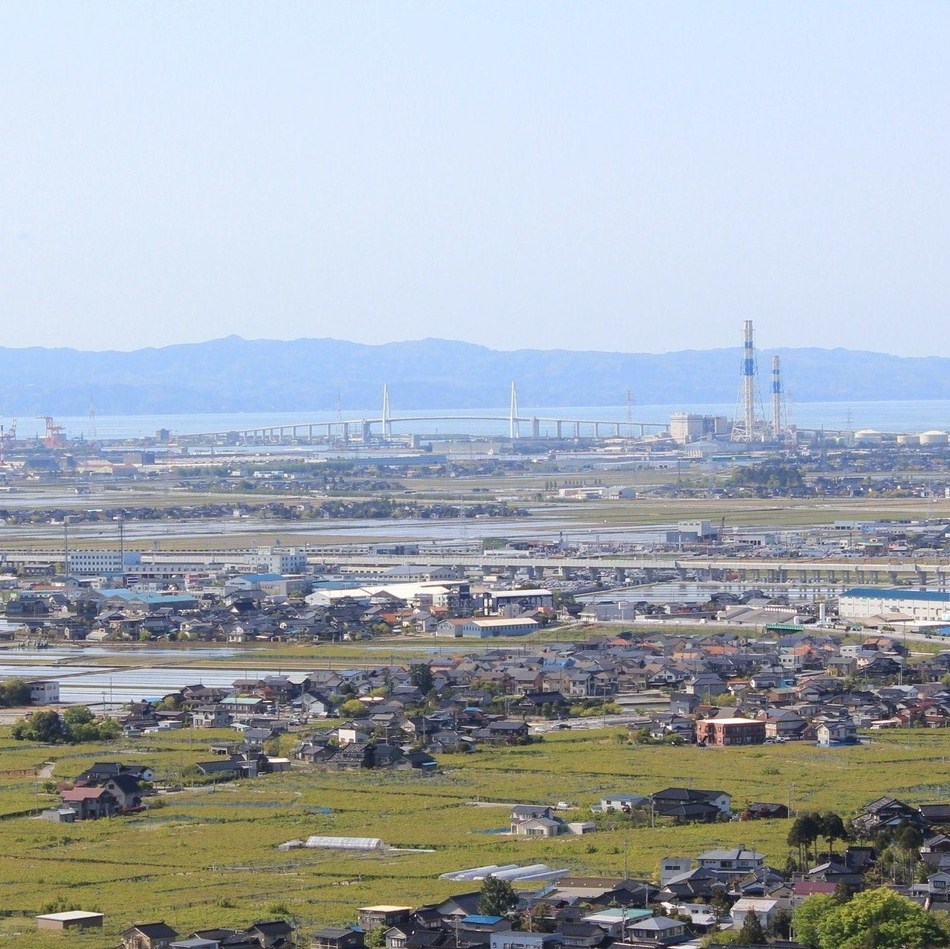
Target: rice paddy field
[[208, 856]]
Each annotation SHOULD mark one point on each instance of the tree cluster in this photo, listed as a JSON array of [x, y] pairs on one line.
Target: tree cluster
[[879, 918], [14, 693], [76, 724], [769, 477], [808, 829]]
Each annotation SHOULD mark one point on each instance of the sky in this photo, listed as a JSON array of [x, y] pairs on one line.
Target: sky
[[624, 176]]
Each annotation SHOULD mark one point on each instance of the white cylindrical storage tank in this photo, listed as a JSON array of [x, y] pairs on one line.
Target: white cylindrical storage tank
[[908, 439], [934, 437], [869, 436]]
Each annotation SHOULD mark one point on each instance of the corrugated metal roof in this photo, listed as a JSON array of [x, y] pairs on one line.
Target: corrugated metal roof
[[898, 593]]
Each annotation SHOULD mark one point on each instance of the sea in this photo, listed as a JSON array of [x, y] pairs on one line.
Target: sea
[[897, 417]]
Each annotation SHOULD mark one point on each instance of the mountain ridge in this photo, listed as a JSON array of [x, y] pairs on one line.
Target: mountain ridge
[[232, 374]]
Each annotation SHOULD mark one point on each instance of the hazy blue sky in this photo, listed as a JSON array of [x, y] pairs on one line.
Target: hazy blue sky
[[623, 176]]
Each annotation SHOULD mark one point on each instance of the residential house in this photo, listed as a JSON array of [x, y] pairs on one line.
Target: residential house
[[765, 909], [671, 867], [148, 936], [90, 803], [760, 810], [730, 731], [836, 733], [334, 937], [938, 887], [656, 931], [624, 803], [692, 803], [887, 812], [732, 861]]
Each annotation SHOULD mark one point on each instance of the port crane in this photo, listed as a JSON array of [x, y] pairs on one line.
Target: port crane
[[54, 432]]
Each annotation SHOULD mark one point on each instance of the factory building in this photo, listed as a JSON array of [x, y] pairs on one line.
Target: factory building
[[486, 628], [686, 427], [103, 563], [925, 606]]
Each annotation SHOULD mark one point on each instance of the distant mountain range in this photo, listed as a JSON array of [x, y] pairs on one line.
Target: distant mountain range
[[238, 375]]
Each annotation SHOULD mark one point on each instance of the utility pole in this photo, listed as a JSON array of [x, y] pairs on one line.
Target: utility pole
[[121, 525]]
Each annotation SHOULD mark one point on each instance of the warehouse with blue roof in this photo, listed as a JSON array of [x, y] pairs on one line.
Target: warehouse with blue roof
[[895, 603]]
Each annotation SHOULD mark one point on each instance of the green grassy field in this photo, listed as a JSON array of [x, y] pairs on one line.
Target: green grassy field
[[208, 855]]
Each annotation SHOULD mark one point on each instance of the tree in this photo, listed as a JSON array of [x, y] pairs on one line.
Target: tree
[[420, 675], [497, 897], [881, 919], [100, 729], [781, 925], [568, 603], [832, 828], [807, 918], [720, 904], [724, 937], [376, 937], [752, 931], [909, 838], [353, 708], [77, 715]]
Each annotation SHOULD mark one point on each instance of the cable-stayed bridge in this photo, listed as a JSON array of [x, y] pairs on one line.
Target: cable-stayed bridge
[[386, 426]]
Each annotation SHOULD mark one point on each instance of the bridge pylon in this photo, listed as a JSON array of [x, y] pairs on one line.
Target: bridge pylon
[[387, 413], [513, 430]]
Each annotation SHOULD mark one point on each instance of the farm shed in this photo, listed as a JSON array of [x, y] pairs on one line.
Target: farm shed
[[72, 919]]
